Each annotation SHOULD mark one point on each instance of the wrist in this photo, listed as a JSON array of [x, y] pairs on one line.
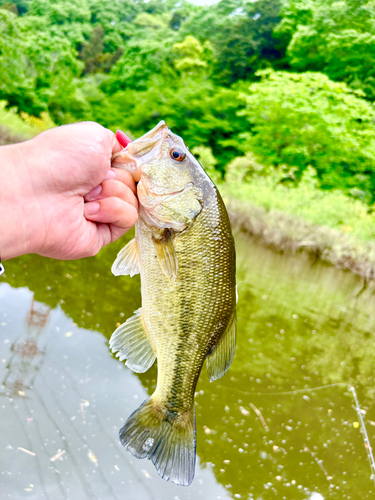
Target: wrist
[[15, 200]]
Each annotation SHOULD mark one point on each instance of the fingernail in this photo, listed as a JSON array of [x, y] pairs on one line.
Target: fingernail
[[94, 192], [92, 208], [110, 175], [122, 138]]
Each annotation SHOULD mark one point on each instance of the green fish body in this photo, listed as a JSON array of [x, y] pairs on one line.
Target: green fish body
[[184, 251]]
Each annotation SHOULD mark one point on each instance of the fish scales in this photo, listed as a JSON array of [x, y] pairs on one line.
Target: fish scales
[[201, 298], [184, 251]]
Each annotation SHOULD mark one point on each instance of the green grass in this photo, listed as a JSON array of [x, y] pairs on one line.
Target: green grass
[[306, 201], [328, 224], [17, 128]]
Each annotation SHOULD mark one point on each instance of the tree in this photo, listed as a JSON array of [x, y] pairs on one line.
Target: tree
[[334, 37], [241, 33], [93, 56], [68, 19], [37, 70], [193, 58], [114, 17], [16, 75], [306, 119], [198, 111]]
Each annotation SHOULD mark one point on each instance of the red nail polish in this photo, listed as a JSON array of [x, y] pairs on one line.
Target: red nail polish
[[122, 138]]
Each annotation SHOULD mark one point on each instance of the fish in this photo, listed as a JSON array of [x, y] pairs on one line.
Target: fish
[[185, 254]]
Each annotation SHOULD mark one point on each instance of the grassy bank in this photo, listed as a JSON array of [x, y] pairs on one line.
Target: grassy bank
[[337, 229]]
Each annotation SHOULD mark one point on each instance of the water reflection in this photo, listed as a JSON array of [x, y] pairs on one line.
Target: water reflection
[[26, 355], [262, 432], [66, 398]]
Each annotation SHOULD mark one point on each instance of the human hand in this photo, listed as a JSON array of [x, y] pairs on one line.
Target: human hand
[[60, 198]]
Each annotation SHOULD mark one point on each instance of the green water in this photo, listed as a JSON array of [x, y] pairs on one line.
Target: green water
[[264, 431]]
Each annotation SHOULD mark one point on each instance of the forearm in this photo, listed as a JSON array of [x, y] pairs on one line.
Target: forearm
[[14, 209]]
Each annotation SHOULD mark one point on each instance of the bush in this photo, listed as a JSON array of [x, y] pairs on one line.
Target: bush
[[17, 128], [304, 120]]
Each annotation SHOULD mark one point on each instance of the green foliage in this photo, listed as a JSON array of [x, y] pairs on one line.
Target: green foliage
[[114, 18], [201, 114], [242, 168], [192, 56], [305, 119], [19, 128], [16, 82], [149, 58], [241, 33], [36, 70], [94, 57], [207, 72], [335, 37], [208, 162]]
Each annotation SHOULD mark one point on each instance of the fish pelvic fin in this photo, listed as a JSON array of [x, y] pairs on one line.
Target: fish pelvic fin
[[221, 358], [167, 439], [132, 342], [127, 261]]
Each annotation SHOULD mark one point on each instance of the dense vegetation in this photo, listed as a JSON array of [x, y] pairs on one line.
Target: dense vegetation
[[260, 86]]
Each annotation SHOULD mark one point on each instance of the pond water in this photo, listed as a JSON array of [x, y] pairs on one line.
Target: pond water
[[281, 424]]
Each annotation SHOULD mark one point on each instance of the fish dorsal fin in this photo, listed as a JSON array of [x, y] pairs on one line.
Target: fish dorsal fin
[[127, 261], [166, 254], [220, 360], [132, 342]]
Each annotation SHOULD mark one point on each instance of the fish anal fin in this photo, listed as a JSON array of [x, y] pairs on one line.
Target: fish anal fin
[[167, 440], [220, 360], [131, 342], [166, 254], [127, 261]]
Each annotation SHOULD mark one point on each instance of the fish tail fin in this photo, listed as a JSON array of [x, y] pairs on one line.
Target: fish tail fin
[[167, 439]]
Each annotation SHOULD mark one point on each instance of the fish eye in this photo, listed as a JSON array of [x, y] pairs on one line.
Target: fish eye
[[177, 154]]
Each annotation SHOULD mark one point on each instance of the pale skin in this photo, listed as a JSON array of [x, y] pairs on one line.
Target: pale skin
[[59, 195]]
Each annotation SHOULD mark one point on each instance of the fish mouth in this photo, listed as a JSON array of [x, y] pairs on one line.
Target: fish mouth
[[141, 150]]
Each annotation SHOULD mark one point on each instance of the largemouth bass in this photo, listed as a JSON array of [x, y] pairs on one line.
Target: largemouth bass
[[184, 250]]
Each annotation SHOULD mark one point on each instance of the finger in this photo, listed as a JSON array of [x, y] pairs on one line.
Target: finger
[[120, 175], [111, 211], [125, 177], [116, 146], [108, 189], [101, 235], [106, 234]]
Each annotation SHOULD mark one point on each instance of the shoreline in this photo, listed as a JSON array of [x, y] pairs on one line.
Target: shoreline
[[288, 233]]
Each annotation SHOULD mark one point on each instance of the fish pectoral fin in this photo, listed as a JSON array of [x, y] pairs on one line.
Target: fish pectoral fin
[[220, 360], [166, 254], [127, 261], [132, 342], [167, 440]]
